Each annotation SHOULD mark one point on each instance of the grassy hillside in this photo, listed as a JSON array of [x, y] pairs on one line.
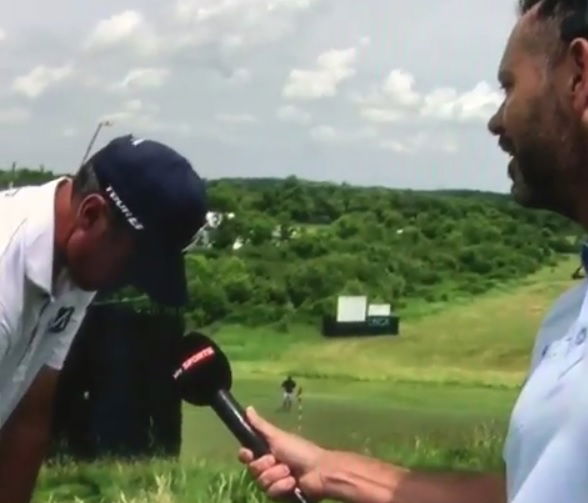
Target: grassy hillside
[[437, 397], [482, 340]]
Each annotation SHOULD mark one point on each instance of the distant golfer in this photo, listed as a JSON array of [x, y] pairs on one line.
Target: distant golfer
[[288, 387], [124, 219], [543, 125]]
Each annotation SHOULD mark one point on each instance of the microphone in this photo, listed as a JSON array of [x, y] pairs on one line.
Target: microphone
[[204, 378]]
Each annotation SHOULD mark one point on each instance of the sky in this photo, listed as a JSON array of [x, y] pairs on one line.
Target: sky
[[368, 92]]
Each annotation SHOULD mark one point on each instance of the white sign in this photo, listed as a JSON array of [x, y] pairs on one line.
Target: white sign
[[351, 309], [379, 310]]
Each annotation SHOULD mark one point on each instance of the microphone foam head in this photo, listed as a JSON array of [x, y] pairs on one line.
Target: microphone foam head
[[203, 369]]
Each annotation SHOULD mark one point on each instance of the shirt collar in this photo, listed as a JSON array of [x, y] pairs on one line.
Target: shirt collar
[[40, 235]]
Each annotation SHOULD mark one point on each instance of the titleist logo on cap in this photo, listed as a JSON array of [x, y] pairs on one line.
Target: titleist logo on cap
[[133, 221]]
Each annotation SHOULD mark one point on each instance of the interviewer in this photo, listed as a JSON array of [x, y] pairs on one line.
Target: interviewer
[[543, 125]]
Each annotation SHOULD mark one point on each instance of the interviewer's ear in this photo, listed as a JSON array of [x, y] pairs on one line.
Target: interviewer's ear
[[577, 66]]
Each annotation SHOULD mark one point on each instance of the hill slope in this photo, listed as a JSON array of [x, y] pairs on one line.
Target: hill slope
[[484, 341]]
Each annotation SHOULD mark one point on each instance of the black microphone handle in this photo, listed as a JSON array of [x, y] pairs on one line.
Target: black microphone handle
[[233, 415]]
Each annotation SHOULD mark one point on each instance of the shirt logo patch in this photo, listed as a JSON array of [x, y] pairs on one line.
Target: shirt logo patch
[[61, 320], [9, 192]]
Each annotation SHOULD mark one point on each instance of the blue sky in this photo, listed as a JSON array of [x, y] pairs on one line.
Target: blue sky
[[365, 91]]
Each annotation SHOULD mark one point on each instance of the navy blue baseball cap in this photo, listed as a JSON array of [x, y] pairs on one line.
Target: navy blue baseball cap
[[163, 200]]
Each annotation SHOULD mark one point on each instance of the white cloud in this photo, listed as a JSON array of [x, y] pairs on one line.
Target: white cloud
[[397, 100], [115, 29], [137, 106], [14, 115], [396, 92], [240, 76], [440, 104], [407, 145], [295, 115], [291, 5], [236, 24], [126, 28], [395, 146], [382, 115], [147, 123], [233, 42], [476, 104], [325, 134], [329, 134], [141, 78], [205, 10], [333, 68], [133, 105], [421, 141], [135, 112], [479, 103], [40, 78], [200, 10], [399, 86], [70, 132], [237, 118], [3, 35], [449, 145], [122, 116]]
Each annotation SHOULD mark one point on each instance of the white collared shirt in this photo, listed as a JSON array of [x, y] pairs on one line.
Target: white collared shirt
[[39, 317], [546, 451]]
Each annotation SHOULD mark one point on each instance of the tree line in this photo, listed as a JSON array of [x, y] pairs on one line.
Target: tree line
[[286, 248]]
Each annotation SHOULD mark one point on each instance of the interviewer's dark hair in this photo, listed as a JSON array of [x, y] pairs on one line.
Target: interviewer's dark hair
[[547, 33], [553, 8]]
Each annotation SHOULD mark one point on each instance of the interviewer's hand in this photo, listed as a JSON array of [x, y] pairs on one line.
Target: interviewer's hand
[[293, 460]]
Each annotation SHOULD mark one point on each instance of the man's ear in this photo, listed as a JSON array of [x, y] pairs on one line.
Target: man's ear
[[92, 211], [578, 82]]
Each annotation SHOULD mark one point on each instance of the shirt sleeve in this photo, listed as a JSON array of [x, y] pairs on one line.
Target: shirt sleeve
[[4, 334], [63, 342], [561, 474]]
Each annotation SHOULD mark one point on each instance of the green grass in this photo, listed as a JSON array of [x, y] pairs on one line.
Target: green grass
[[158, 481], [437, 397], [351, 415], [147, 482], [483, 341], [417, 425]]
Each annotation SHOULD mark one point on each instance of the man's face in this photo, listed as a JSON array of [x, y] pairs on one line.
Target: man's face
[[99, 249], [536, 125]]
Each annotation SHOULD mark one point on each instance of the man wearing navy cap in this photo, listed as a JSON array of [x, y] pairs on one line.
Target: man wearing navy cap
[[124, 219]]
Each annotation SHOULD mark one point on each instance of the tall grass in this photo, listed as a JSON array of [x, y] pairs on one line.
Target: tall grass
[[149, 481], [157, 481]]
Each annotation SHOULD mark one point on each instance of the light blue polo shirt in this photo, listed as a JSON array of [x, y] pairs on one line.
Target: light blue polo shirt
[[546, 451]]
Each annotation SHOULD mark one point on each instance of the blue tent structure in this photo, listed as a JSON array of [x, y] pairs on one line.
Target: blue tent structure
[[116, 395]]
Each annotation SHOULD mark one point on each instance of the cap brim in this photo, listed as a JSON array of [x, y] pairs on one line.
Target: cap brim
[[161, 274]]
